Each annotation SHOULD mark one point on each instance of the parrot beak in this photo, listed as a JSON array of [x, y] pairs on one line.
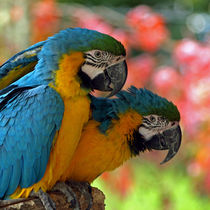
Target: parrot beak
[[168, 140], [112, 79]]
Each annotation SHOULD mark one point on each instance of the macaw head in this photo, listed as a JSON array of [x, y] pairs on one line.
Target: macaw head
[[103, 68], [156, 127]]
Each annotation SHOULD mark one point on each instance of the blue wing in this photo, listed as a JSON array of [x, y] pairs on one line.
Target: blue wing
[[29, 119], [19, 65]]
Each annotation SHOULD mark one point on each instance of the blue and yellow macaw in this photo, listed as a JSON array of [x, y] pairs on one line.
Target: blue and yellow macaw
[[121, 128], [44, 105]]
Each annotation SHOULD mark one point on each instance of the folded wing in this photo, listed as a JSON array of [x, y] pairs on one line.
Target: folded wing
[[29, 120], [19, 65]]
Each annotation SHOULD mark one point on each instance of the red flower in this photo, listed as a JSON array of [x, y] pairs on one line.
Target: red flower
[[87, 19], [121, 36], [166, 80], [149, 28], [186, 51], [45, 19], [139, 70], [190, 55]]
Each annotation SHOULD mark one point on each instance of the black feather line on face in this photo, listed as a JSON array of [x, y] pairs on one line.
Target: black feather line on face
[[89, 63], [137, 143]]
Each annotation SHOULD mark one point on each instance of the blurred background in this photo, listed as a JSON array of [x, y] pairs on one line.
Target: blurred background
[[168, 51]]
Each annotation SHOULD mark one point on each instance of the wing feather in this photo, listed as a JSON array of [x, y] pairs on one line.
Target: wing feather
[[29, 120], [15, 177], [19, 65]]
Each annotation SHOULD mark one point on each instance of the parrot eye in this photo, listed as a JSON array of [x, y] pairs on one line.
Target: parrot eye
[[97, 54], [152, 119]]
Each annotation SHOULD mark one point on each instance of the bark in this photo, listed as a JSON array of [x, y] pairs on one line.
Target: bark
[[33, 203]]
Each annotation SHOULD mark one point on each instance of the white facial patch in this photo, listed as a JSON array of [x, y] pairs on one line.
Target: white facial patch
[[91, 71], [96, 61], [147, 134], [154, 124]]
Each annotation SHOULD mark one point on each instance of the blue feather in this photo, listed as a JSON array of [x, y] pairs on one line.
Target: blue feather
[[15, 177], [5, 179], [26, 139], [64, 42], [44, 158], [21, 59], [142, 101]]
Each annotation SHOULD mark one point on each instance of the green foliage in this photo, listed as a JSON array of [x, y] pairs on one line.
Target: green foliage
[[196, 5], [156, 188]]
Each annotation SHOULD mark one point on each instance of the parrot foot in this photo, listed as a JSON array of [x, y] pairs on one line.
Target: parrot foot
[[69, 193], [85, 189], [45, 199]]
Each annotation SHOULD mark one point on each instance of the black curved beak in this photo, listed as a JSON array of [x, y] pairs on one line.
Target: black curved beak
[[112, 79], [168, 140]]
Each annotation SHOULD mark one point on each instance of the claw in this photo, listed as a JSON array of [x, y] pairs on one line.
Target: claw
[[47, 202], [69, 193], [85, 189]]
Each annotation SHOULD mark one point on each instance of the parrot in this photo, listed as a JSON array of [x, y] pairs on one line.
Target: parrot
[[45, 103], [121, 128]]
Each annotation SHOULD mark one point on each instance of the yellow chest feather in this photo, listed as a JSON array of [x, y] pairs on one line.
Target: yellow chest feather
[[76, 114], [97, 153], [67, 83]]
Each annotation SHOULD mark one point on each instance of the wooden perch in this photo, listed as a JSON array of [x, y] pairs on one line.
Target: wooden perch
[[33, 203]]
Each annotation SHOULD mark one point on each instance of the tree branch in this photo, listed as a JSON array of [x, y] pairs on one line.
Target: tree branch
[[33, 203]]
